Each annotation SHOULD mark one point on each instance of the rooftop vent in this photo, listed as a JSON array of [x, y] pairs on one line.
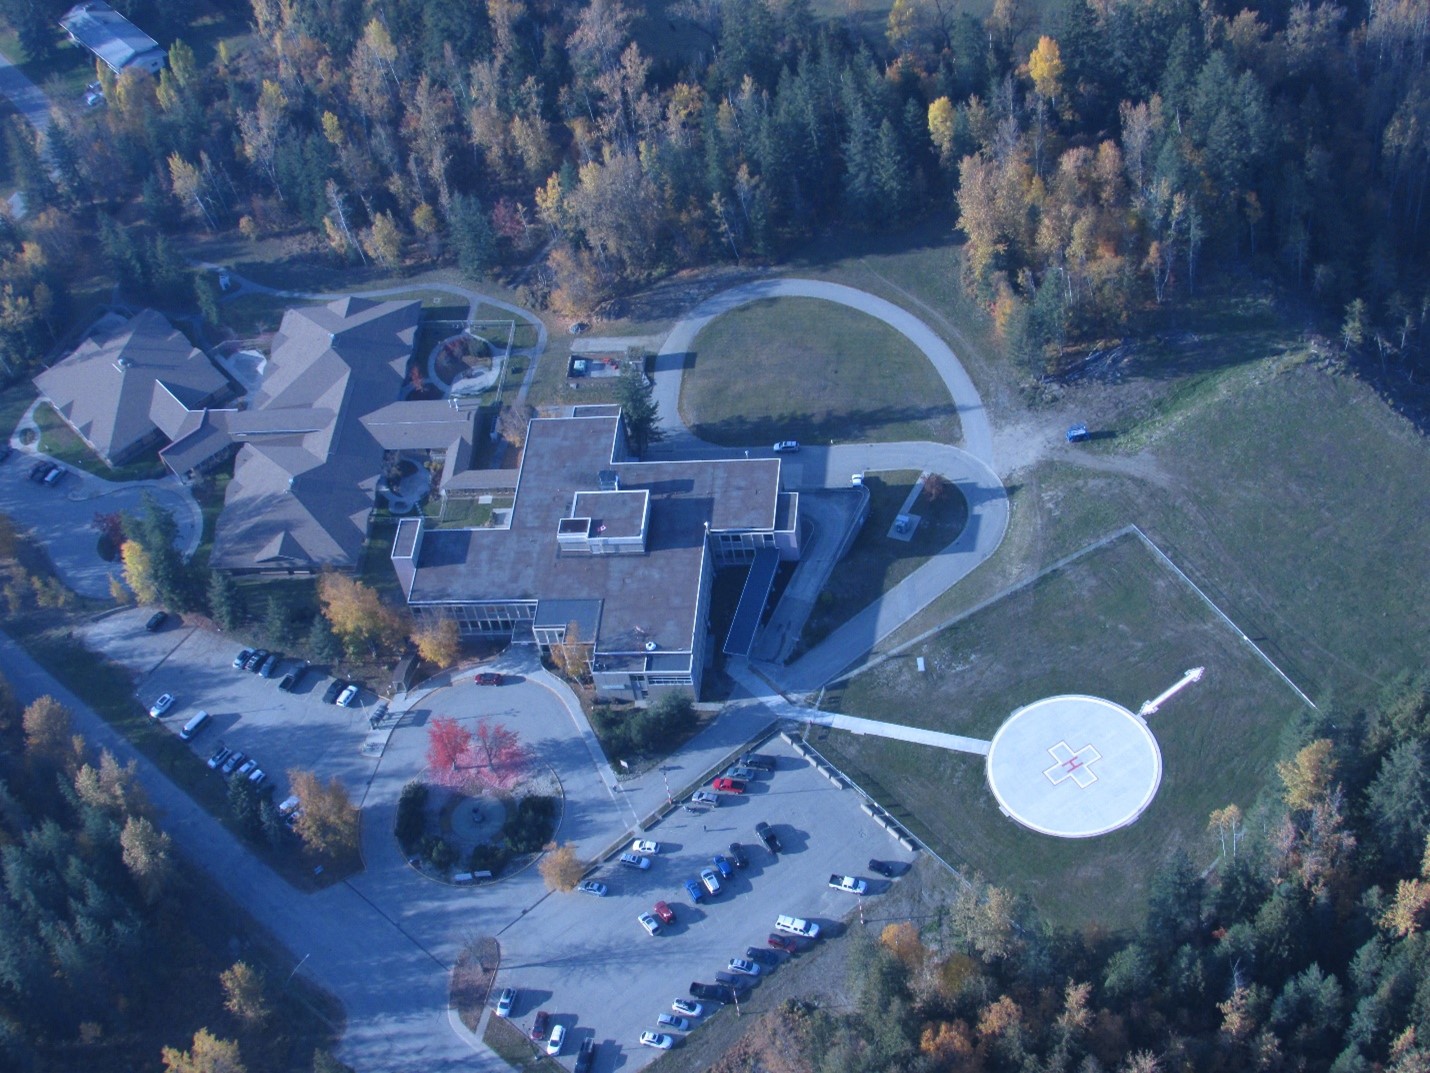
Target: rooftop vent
[[610, 480], [651, 646]]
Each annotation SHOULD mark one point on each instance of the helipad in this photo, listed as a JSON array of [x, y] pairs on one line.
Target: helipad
[[1074, 766]]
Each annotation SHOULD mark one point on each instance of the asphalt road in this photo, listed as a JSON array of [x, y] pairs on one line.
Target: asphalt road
[[62, 517]]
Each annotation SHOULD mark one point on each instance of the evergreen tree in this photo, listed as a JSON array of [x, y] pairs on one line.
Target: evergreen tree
[[323, 645], [471, 236], [636, 395], [225, 601]]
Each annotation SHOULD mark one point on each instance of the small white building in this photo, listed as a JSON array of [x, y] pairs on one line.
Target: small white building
[[113, 38]]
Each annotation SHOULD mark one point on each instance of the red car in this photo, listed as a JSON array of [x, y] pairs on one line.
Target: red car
[[730, 786], [780, 942], [488, 678], [538, 1028], [664, 912]]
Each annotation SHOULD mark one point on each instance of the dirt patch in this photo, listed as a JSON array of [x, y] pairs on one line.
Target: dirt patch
[[472, 977]]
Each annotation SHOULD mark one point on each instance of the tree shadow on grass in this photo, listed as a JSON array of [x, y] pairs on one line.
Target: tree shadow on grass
[[850, 426]]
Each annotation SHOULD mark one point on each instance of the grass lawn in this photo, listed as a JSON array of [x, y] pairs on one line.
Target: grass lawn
[[877, 562], [59, 441], [14, 401], [800, 368], [1114, 623], [464, 513]]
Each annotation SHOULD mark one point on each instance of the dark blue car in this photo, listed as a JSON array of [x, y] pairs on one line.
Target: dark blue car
[[695, 890]]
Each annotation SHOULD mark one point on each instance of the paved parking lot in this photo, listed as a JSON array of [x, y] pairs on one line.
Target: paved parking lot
[[280, 730], [590, 964], [585, 960]]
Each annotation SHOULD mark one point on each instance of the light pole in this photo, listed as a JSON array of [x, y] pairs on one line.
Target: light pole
[[669, 800], [296, 967]]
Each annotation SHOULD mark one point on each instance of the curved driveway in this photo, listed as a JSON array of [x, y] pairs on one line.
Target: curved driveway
[[969, 467]]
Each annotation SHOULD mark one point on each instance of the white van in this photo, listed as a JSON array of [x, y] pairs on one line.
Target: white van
[[807, 929], [194, 725]]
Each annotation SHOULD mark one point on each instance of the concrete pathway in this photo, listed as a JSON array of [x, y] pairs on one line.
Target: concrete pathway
[[765, 695], [897, 731], [987, 523]]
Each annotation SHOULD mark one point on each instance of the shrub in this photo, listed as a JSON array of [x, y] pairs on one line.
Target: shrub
[[529, 827], [411, 815], [438, 853], [488, 858]]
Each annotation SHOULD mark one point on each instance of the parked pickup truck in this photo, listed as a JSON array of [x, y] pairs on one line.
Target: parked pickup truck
[[849, 883]]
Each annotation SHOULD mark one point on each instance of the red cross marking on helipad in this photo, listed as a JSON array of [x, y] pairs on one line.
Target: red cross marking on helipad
[[1072, 764]]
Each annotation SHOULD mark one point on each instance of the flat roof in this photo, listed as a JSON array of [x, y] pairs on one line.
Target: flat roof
[[612, 514], [647, 597]]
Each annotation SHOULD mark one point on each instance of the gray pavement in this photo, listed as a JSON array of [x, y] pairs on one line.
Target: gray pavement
[[29, 100], [62, 517]]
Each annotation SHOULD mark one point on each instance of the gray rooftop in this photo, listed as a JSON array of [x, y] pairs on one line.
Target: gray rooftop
[[305, 478], [108, 34], [647, 597], [128, 378]]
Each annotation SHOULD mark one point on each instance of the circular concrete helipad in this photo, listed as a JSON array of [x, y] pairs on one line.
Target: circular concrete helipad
[[1074, 766]]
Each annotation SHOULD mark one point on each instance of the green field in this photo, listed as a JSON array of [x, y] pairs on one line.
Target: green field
[[800, 368], [876, 562], [1115, 623]]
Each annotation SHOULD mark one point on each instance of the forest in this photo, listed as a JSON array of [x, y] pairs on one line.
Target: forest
[[100, 950], [1103, 158]]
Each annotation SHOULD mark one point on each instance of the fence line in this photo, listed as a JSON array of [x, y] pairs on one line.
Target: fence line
[[1087, 549], [1223, 616], [922, 843]]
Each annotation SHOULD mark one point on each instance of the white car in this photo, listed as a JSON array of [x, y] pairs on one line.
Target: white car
[[348, 697], [749, 968], [711, 879], [555, 1040], [162, 705], [590, 886], [688, 1007], [670, 1020], [645, 845], [659, 1040], [635, 860], [649, 923], [506, 1001], [786, 447]]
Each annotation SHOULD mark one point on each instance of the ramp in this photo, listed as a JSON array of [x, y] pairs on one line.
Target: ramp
[[741, 637]]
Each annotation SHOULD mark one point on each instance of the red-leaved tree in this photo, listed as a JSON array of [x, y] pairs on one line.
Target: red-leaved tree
[[500, 757], [493, 758], [449, 746]]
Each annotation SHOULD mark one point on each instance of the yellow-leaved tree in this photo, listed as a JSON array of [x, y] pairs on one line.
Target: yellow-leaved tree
[[1307, 775], [1045, 68], [139, 572], [438, 641], [357, 614]]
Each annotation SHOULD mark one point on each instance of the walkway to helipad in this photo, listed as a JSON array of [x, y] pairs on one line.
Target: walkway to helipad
[[898, 731], [761, 691]]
